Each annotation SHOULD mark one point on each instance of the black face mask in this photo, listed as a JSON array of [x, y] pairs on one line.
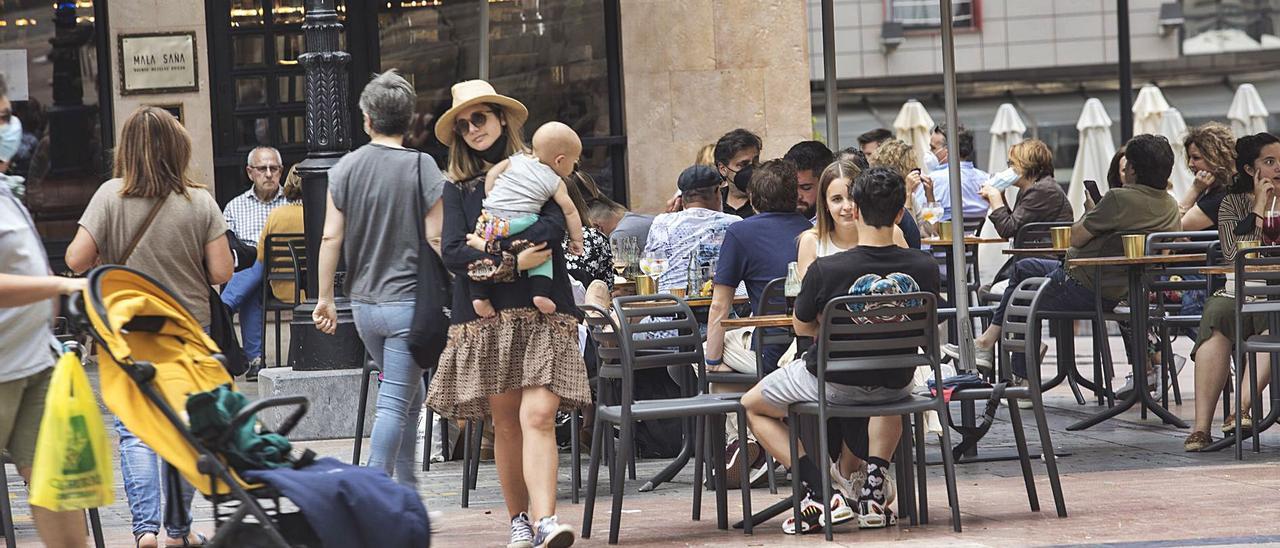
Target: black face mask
[[743, 176], [496, 152]]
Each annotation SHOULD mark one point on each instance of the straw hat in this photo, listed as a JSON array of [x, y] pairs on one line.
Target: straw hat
[[472, 92]]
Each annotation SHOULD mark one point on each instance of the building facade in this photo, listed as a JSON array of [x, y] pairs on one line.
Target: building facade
[[1044, 56], [646, 83]]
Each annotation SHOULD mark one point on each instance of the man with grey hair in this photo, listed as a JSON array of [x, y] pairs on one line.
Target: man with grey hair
[[246, 215]]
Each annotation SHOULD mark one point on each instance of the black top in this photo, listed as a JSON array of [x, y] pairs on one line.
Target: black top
[[910, 230], [864, 270], [745, 211], [1210, 202], [462, 206]]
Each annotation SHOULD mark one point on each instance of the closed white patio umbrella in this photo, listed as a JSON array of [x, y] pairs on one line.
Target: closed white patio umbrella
[[913, 125], [1094, 156], [1006, 130], [1248, 114], [1148, 109], [1174, 128]]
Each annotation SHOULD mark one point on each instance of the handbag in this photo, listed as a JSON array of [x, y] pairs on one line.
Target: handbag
[[432, 297]]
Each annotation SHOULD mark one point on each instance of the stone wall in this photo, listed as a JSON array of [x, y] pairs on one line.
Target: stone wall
[[139, 16], [695, 69]]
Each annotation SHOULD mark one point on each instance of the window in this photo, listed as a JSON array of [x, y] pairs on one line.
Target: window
[[925, 14], [1219, 26], [57, 96]]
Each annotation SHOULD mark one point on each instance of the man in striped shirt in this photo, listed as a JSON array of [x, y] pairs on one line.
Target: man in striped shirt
[[246, 214]]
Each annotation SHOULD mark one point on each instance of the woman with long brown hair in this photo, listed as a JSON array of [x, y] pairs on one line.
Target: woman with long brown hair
[[518, 366], [154, 218]]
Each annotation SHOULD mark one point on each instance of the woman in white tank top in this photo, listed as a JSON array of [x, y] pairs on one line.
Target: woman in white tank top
[[835, 230]]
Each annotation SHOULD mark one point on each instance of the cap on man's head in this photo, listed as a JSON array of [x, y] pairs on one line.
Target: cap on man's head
[[698, 176]]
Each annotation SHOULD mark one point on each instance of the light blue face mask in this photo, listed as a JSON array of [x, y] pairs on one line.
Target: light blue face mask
[[931, 163], [1004, 179], [10, 138]]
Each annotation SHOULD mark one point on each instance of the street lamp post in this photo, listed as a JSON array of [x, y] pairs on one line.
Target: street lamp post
[[328, 131]]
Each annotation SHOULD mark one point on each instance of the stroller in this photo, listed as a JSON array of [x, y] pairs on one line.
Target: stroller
[[153, 354]]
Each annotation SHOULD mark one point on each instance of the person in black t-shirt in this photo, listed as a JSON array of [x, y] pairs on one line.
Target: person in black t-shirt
[[875, 266]]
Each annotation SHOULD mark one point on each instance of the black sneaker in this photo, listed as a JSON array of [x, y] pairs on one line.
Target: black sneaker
[[254, 367]]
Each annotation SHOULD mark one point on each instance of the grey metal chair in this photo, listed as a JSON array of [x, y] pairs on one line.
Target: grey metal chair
[[1167, 316], [1257, 290], [888, 333], [636, 338], [1021, 333]]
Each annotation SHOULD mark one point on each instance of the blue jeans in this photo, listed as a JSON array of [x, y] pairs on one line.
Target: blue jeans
[[384, 329], [1062, 295], [144, 485], [243, 294]]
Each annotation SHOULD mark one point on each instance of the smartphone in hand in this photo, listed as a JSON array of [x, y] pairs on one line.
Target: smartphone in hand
[[1091, 186]]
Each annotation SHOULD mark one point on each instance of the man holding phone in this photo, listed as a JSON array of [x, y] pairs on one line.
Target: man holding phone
[[1141, 206]]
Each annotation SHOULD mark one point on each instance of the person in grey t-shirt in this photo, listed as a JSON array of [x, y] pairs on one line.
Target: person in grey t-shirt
[[615, 221], [382, 197]]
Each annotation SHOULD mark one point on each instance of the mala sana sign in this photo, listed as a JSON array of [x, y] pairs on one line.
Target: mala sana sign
[[158, 63]]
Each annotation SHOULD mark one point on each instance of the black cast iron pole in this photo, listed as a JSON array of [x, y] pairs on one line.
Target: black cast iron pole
[[328, 131], [1126, 71]]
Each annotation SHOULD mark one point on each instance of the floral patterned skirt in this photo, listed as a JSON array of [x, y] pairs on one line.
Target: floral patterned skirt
[[517, 349]]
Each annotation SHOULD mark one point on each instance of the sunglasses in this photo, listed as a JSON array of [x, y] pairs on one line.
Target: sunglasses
[[477, 119]]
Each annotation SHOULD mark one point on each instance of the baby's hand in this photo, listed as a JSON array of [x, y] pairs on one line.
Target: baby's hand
[[475, 242], [575, 247]]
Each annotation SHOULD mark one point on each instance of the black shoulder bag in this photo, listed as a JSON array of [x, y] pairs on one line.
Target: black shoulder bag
[[430, 329]]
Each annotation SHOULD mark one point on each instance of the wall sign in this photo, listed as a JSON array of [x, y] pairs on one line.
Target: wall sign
[[175, 109], [158, 63]]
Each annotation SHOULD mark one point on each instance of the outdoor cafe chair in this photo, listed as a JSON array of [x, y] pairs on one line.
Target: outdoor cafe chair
[[1167, 316], [772, 301], [1257, 290], [1021, 333], [1028, 236], [284, 260], [681, 346], [896, 328]]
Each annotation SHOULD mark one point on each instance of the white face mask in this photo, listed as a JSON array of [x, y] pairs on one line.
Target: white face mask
[[10, 138], [931, 163], [1004, 179]]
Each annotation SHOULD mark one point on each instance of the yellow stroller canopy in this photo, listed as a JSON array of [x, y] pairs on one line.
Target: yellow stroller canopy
[[134, 319]]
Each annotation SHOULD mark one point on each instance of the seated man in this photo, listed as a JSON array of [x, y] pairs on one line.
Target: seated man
[[973, 204], [697, 230], [756, 251], [877, 266], [1141, 206]]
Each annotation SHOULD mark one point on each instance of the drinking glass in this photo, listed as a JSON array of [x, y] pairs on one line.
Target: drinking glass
[[1271, 227]]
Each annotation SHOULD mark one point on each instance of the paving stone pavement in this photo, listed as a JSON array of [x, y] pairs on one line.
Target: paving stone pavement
[[1127, 483]]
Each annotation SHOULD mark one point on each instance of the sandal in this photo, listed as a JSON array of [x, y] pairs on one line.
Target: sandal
[[1196, 442], [1229, 424], [137, 539], [200, 541]]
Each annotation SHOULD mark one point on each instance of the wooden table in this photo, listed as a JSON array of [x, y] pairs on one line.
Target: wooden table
[[1035, 251], [1223, 269], [1138, 332], [968, 240], [768, 320]]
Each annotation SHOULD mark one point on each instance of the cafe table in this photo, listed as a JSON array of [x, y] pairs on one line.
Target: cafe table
[[768, 320], [1138, 311], [1035, 251]]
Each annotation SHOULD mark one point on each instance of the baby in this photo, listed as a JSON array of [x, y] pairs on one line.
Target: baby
[[515, 191]]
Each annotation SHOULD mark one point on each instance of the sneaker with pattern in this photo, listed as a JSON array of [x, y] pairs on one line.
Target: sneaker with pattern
[[550, 533], [521, 532]]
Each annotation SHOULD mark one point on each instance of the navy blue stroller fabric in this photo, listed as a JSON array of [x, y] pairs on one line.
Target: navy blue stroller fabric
[[352, 505]]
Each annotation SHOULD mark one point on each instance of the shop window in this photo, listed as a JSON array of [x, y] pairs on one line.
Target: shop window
[[926, 14]]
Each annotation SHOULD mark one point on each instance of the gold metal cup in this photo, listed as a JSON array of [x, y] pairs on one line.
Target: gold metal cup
[[1134, 245], [1060, 236], [944, 231], [1248, 244], [645, 285]]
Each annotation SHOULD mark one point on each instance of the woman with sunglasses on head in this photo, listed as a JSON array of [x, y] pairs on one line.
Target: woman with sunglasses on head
[[518, 366]]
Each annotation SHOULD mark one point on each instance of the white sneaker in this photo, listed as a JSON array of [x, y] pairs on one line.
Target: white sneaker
[[550, 533], [984, 358]]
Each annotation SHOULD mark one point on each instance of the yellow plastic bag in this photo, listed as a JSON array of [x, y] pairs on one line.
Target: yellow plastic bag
[[72, 467]]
